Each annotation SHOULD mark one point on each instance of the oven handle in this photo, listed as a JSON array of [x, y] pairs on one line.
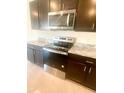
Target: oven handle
[[55, 51]]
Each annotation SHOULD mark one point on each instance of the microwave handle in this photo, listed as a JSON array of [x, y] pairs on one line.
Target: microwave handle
[[68, 18]]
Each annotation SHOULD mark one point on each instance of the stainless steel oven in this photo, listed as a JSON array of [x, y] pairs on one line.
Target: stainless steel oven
[[55, 56], [55, 63], [62, 19]]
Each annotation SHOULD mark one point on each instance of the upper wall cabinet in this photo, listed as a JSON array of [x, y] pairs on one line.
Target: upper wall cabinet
[[85, 19], [54, 5], [39, 14], [34, 14], [43, 14], [58, 5], [69, 4], [86, 15]]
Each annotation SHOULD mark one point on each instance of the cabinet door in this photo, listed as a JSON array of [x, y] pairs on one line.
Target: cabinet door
[[43, 14], [69, 4], [39, 58], [86, 15], [76, 71], [91, 77], [34, 14], [30, 54], [54, 5]]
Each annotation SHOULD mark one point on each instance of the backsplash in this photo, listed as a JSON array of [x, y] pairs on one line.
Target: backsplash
[[81, 37]]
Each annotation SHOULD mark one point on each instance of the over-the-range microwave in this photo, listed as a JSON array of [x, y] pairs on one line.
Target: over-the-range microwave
[[62, 19]]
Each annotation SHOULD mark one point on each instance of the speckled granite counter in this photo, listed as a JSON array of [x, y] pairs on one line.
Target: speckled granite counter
[[38, 43], [84, 50], [79, 49]]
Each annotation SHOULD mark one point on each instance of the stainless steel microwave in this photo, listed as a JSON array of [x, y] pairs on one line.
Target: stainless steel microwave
[[62, 19]]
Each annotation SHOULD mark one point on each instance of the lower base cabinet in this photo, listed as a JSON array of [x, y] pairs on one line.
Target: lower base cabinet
[[91, 77], [30, 54], [83, 72], [35, 55], [76, 71], [38, 58]]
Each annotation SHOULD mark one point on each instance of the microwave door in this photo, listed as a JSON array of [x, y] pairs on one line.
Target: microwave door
[[59, 20]]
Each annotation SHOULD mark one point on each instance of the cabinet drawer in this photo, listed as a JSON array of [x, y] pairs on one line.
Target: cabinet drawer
[[82, 59]]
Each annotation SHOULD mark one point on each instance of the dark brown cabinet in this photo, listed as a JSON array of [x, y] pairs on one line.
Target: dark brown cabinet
[[34, 14], [82, 70], [43, 14], [69, 4], [86, 15], [91, 77], [54, 5], [76, 71], [59, 5], [34, 55]]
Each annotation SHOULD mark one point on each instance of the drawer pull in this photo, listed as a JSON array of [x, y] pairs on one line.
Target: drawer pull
[[85, 68]]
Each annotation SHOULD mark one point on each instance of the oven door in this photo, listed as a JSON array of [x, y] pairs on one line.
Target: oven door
[[55, 63], [55, 60]]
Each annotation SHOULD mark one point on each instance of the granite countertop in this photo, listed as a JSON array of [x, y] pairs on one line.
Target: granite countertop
[[38, 43], [84, 50], [78, 48]]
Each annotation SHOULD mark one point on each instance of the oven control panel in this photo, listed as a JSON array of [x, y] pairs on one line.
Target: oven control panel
[[64, 39]]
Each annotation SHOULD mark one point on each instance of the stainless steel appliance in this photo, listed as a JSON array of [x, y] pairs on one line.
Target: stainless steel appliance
[[55, 55], [61, 19]]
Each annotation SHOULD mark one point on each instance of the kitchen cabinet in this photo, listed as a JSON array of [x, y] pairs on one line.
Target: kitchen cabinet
[[38, 57], [69, 4], [91, 77], [34, 14], [86, 16], [34, 55], [43, 14], [82, 70], [54, 5], [30, 54], [59, 5], [76, 71]]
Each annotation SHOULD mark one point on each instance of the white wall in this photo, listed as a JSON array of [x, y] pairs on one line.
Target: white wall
[[82, 37]]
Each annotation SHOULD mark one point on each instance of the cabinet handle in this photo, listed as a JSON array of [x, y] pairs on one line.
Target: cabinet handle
[[85, 68], [90, 70], [93, 26], [89, 62]]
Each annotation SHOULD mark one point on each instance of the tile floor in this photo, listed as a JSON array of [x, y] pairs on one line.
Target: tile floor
[[39, 81]]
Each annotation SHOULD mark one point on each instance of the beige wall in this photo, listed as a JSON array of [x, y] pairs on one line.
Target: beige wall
[[82, 37]]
